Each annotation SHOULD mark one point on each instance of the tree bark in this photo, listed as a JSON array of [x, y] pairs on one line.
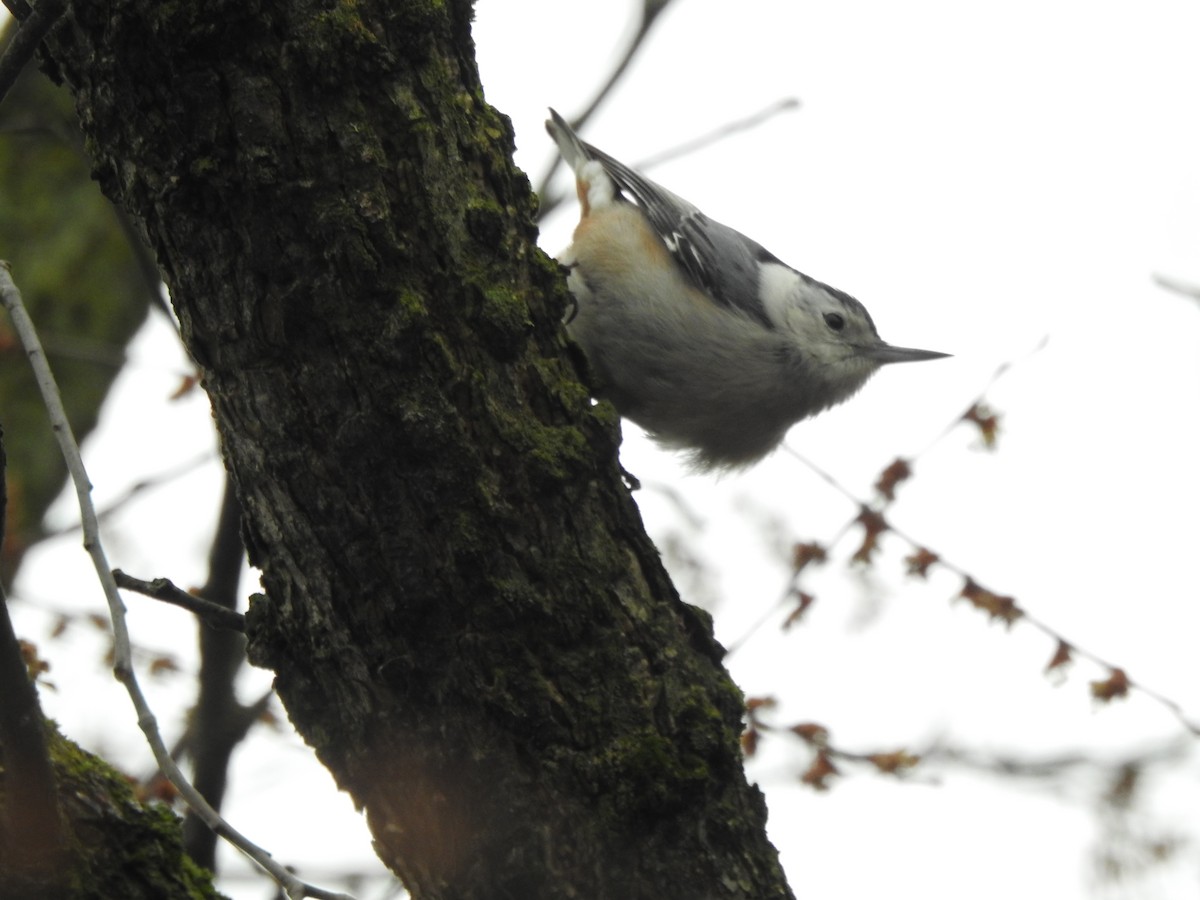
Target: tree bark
[[465, 617]]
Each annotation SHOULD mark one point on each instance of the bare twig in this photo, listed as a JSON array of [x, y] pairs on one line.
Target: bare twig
[[1053, 766], [212, 614], [1001, 370], [907, 761], [1011, 612], [122, 657], [789, 592], [25, 42], [221, 722], [999, 607], [548, 201], [1179, 287], [1018, 613], [135, 490], [746, 123], [651, 9]]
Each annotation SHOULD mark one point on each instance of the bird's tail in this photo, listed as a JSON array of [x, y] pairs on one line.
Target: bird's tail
[[574, 151]]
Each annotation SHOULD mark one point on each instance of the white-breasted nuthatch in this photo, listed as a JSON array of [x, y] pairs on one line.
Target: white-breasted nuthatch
[[694, 331]]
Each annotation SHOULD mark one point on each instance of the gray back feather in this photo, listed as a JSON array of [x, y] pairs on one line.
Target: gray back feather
[[718, 259]]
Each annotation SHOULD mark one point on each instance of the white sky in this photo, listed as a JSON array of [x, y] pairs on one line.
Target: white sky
[[981, 180]]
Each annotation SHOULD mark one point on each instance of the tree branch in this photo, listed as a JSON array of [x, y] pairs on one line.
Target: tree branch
[[651, 9], [552, 200], [1177, 286], [220, 720], [465, 616], [122, 656], [33, 28], [211, 614]]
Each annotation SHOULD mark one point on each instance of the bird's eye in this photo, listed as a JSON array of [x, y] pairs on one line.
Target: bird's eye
[[835, 321]]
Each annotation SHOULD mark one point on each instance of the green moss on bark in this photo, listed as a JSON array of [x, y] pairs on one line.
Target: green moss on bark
[[116, 846]]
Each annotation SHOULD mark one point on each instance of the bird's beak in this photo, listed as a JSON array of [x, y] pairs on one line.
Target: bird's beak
[[886, 353]]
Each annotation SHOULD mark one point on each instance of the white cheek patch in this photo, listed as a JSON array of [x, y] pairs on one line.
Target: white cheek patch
[[778, 289]]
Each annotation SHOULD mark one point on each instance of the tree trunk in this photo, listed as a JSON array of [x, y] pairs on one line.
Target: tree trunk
[[465, 617]]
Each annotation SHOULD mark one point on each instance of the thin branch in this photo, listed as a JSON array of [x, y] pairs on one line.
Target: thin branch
[[1019, 613], [651, 9], [1001, 370], [789, 592], [245, 717], [157, 480], [1022, 614], [549, 201], [1005, 608], [746, 123], [1052, 766], [220, 720], [135, 490], [788, 596], [25, 42], [906, 762], [1179, 287], [211, 614], [122, 658]]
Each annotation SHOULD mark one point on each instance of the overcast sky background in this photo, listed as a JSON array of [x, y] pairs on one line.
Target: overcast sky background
[[1000, 185]]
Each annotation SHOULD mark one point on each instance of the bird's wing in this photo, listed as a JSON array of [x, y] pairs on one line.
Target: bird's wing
[[720, 260]]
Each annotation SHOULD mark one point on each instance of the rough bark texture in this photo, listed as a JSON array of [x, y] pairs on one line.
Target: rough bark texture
[[113, 845], [466, 619]]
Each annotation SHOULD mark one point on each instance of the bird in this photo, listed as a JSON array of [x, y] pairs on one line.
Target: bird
[[695, 332]]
